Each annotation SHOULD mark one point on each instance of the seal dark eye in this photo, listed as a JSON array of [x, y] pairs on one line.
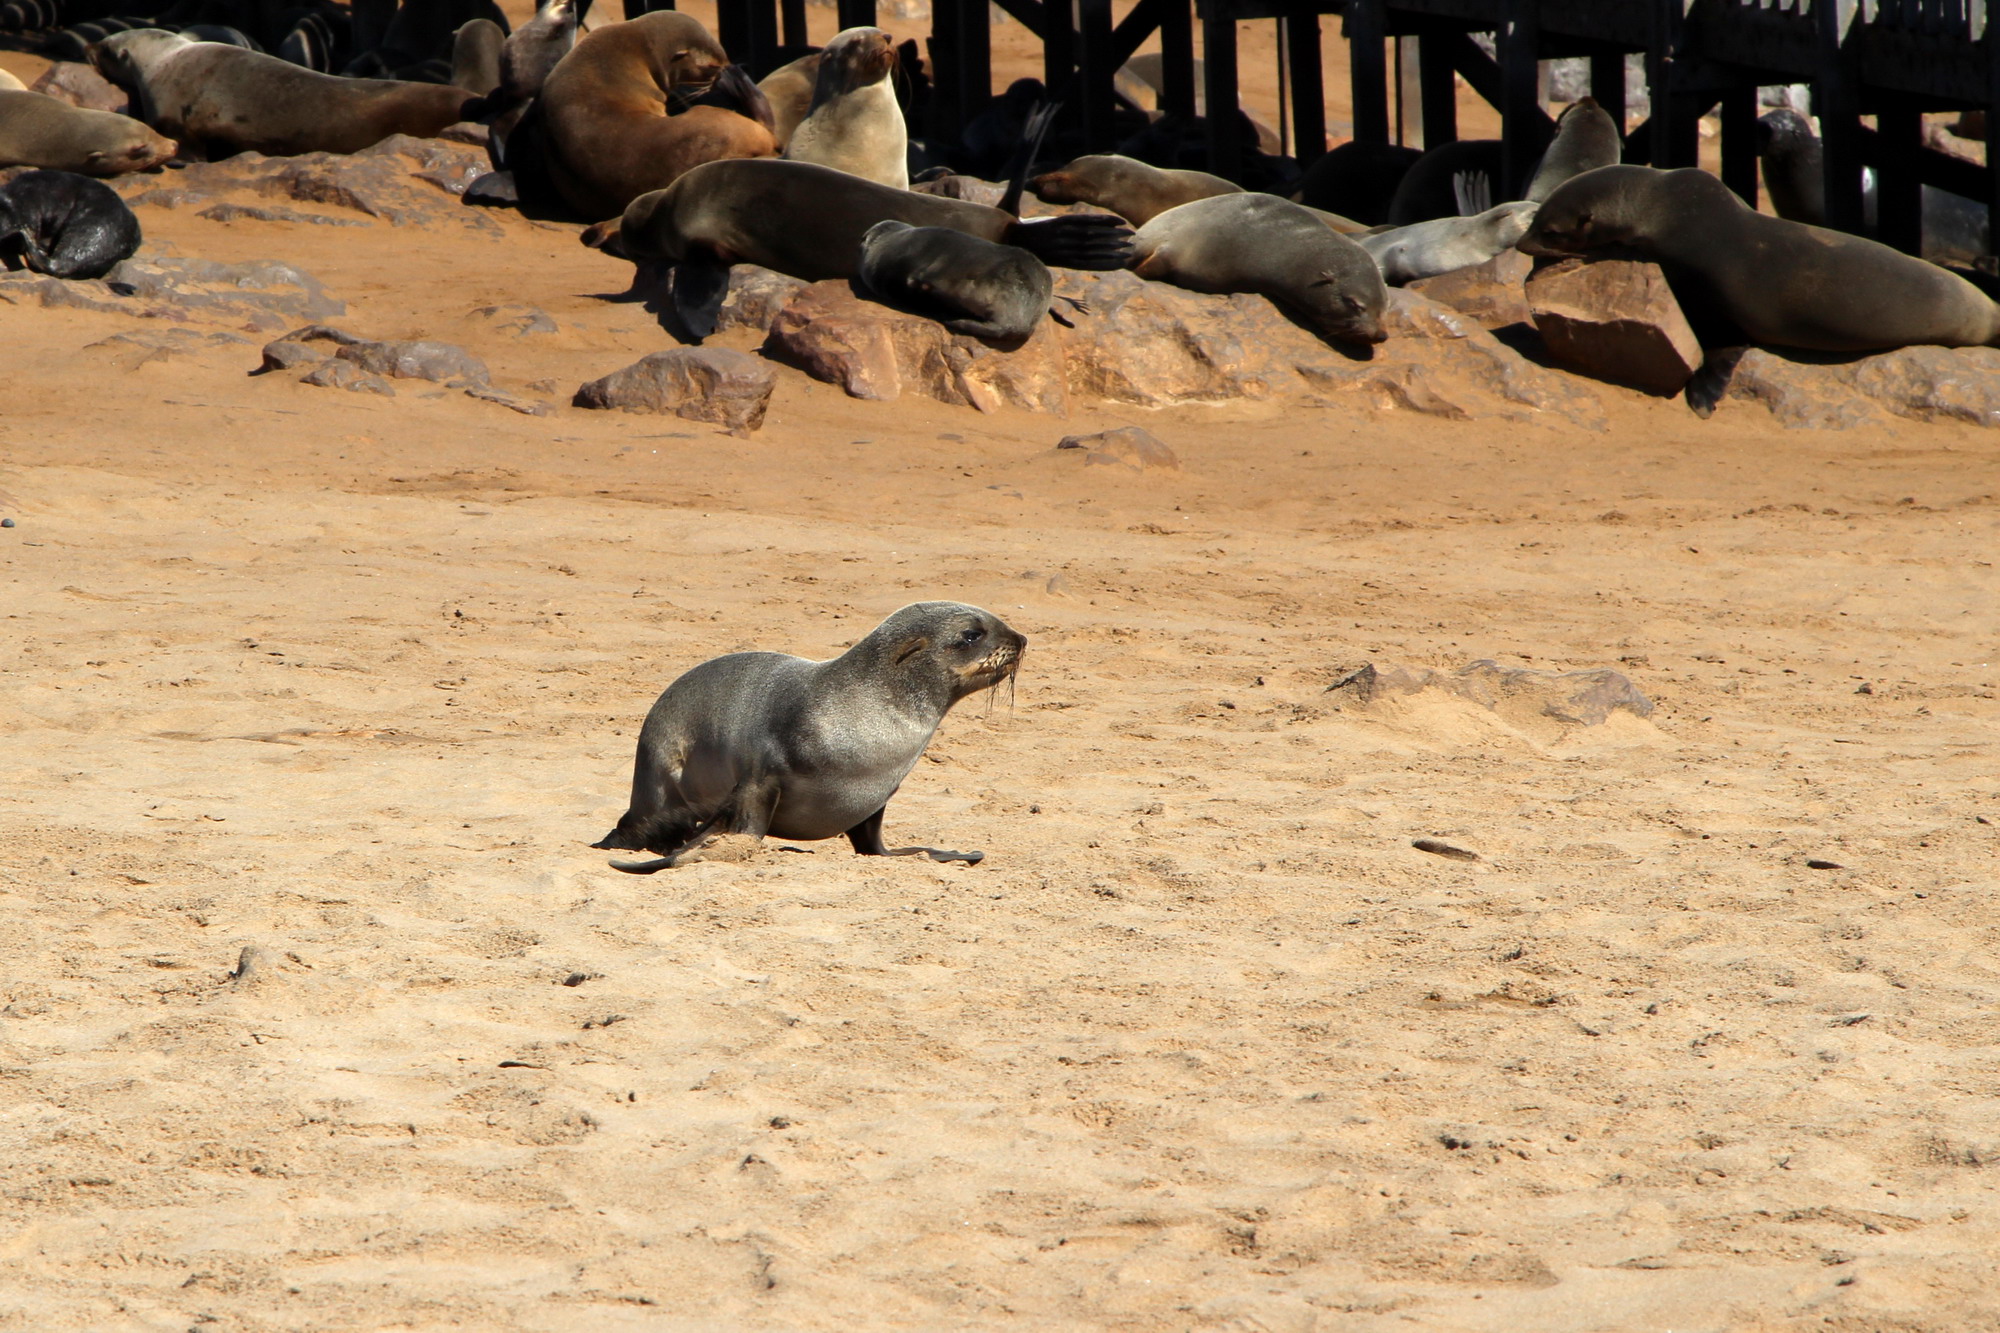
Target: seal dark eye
[[973, 635]]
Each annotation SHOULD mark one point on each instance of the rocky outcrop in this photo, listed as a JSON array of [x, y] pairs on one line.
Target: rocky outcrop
[[1127, 447], [413, 359], [1808, 391], [1494, 294], [713, 384], [402, 181], [1617, 320], [262, 296]]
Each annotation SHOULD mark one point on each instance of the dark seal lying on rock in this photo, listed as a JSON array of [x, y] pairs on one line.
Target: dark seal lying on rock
[[774, 745], [64, 225]]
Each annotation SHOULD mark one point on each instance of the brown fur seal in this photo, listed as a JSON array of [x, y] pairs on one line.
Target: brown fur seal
[[778, 746], [1586, 139], [39, 131], [64, 225], [808, 221], [219, 99], [1134, 190], [475, 57], [855, 124], [1279, 249], [968, 284], [1762, 279], [605, 132], [790, 91]]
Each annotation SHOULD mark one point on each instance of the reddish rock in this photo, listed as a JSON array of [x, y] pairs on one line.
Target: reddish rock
[[1617, 320], [755, 296], [712, 384], [337, 374], [1128, 446], [1933, 383], [1800, 395], [1493, 294], [875, 352], [81, 85]]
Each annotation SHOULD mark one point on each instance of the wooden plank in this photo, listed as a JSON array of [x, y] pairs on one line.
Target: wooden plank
[[1899, 189], [792, 22], [1177, 58], [1739, 142], [1607, 84], [1219, 92], [856, 13], [1368, 69], [1097, 62], [1302, 54], [1837, 103], [1438, 80], [1523, 123]]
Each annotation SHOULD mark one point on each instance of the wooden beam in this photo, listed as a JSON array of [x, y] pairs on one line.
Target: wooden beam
[[1739, 142], [1523, 123], [1439, 88], [792, 22], [1368, 68], [1899, 186], [1302, 54], [1177, 59], [1096, 64], [1219, 91], [856, 13]]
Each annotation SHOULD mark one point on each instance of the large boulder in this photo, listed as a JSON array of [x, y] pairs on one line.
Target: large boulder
[[1617, 320], [713, 384], [1494, 293], [873, 351]]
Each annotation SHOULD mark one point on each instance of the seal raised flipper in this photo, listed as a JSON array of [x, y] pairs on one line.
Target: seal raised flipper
[[700, 283], [867, 839], [1100, 241]]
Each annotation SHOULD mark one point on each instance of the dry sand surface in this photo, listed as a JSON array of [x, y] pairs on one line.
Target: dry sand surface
[[341, 687]]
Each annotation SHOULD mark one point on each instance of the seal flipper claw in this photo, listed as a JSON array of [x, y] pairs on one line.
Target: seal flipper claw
[[700, 283], [1710, 384]]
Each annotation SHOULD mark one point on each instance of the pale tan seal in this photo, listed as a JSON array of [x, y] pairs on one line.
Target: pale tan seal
[[774, 745], [855, 124], [39, 131], [218, 99], [603, 121], [1445, 245], [1134, 190]]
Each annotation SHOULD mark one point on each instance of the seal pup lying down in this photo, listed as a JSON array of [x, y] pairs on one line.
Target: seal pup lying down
[[64, 225], [971, 285], [774, 745]]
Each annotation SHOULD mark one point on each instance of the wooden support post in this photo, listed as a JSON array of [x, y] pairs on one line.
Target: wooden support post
[[732, 29], [1739, 143], [1302, 51], [1440, 91], [975, 55], [1523, 123], [1992, 117], [1899, 188], [1177, 59], [792, 22], [856, 13], [1219, 95], [1836, 101], [1096, 64], [1059, 53], [1368, 67], [1607, 85]]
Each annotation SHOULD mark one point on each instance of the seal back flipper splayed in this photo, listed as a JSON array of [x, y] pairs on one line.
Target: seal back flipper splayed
[[1100, 241]]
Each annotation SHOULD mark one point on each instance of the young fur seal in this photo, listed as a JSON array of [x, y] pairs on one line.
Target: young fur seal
[[1134, 190], [64, 225], [219, 99], [968, 284], [39, 131], [603, 117], [774, 745], [855, 124], [1444, 245], [1586, 139], [808, 222], [1279, 249]]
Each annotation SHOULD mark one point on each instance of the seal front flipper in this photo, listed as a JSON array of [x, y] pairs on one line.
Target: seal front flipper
[[867, 839], [700, 283], [1710, 384], [1075, 240]]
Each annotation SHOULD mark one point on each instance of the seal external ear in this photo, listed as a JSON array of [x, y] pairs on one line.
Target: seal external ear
[[700, 283], [904, 652]]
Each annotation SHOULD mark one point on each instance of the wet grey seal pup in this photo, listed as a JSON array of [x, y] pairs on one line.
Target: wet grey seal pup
[[1279, 249], [969, 284], [64, 225], [774, 745], [1445, 245], [854, 124], [38, 131], [219, 99]]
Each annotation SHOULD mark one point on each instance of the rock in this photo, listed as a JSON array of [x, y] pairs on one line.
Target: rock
[[1933, 383], [1492, 294], [525, 406], [519, 320], [1617, 320], [337, 374], [1801, 395], [1128, 446], [467, 131], [1573, 698], [81, 85], [255, 213], [287, 353], [755, 296], [262, 296], [875, 352], [402, 181], [129, 351], [714, 384], [420, 359]]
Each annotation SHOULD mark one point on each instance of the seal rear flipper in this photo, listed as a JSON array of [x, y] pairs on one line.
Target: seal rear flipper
[[496, 189], [867, 839], [1076, 240], [1710, 384], [700, 283]]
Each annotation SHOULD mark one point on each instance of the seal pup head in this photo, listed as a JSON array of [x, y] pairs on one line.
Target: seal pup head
[[147, 148], [1604, 209], [855, 58], [125, 57], [936, 653]]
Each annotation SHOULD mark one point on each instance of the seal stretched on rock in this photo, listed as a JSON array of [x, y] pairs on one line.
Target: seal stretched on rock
[[1134, 190], [64, 225], [774, 745], [1445, 245], [970, 284], [39, 131]]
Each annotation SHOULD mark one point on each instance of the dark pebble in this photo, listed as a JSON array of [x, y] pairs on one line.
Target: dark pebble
[[1436, 848], [6, 522], [1824, 865]]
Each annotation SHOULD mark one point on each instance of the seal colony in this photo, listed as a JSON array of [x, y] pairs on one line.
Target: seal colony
[[779, 746]]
